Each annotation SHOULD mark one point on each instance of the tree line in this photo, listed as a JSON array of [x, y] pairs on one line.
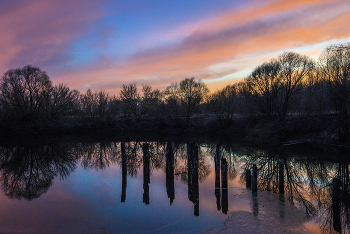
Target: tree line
[[291, 84]]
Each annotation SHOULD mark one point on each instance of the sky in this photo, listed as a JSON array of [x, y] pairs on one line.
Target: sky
[[103, 44]]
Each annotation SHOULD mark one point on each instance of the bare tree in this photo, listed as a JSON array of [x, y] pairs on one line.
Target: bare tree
[[263, 82], [187, 94], [172, 98], [151, 100], [315, 98], [335, 64], [223, 103], [131, 99], [23, 92], [136, 105], [294, 69], [95, 104], [102, 100], [88, 103], [60, 101]]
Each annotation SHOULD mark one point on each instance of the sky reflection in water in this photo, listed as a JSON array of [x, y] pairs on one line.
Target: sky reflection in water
[[86, 191]]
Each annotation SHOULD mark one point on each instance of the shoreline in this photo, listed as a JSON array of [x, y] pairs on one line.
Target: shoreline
[[251, 130]]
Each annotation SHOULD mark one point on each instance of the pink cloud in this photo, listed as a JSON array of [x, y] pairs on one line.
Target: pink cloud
[[40, 32], [260, 31]]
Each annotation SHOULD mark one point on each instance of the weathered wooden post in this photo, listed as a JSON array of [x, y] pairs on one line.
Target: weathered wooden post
[[282, 206], [255, 203], [146, 173], [255, 179], [281, 176], [195, 186], [189, 170], [255, 190], [170, 172], [217, 177], [248, 174], [224, 197], [124, 171], [335, 204]]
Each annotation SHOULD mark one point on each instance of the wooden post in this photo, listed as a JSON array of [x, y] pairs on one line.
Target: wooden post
[[281, 176], [248, 179], [224, 198], [146, 173], [195, 186], [335, 204], [255, 203], [124, 172], [255, 179], [170, 172], [189, 170], [217, 177], [282, 206]]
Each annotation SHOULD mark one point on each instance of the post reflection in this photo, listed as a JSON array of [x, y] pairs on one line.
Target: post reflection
[[170, 172], [189, 171], [224, 198], [319, 187], [308, 181], [124, 171], [192, 168], [146, 173], [336, 204], [281, 176], [282, 206], [217, 177]]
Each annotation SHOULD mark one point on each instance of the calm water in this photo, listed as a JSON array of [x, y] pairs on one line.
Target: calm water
[[160, 187]]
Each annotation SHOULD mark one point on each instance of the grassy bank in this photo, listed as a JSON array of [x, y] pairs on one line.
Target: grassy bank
[[321, 129]]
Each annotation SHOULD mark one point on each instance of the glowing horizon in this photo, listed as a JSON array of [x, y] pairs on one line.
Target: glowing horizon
[[104, 44]]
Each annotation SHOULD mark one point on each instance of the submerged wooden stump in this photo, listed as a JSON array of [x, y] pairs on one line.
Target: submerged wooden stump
[[170, 172], [336, 205], [248, 175], [124, 172], [195, 186], [255, 179], [224, 198], [281, 176], [146, 173], [217, 177]]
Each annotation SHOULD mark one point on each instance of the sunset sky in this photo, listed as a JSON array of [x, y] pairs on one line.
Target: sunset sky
[[104, 44]]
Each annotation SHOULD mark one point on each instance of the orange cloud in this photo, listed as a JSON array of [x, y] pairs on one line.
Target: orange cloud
[[243, 38], [193, 56]]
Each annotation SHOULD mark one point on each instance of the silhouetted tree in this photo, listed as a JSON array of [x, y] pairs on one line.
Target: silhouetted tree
[[223, 104], [134, 104], [27, 94], [151, 100], [172, 98], [263, 82], [335, 64], [60, 101], [102, 100], [95, 104], [188, 94], [294, 69], [315, 98], [23, 93]]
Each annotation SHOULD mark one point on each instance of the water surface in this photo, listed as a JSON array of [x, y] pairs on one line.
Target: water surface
[[164, 187]]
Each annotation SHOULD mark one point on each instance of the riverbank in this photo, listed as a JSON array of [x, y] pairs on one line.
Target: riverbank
[[254, 130]]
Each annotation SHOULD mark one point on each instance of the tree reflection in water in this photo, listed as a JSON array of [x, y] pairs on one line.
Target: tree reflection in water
[[303, 179], [27, 171], [306, 181]]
